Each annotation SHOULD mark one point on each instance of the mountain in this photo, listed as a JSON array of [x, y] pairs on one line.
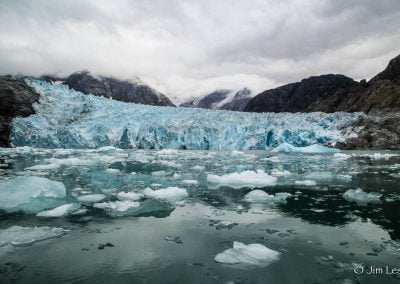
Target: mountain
[[125, 91], [332, 93], [222, 99], [16, 99]]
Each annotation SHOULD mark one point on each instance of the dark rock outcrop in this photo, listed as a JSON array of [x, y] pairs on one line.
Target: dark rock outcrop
[[16, 99], [222, 99], [125, 91], [332, 93]]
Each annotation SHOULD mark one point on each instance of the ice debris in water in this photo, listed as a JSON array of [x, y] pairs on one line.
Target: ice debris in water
[[190, 181], [250, 179], [312, 149], [30, 194], [60, 211], [95, 122], [379, 156], [132, 196], [223, 224], [305, 182], [341, 156], [172, 194], [47, 167], [24, 236], [259, 196], [252, 254], [117, 208], [278, 173], [91, 198], [361, 197]]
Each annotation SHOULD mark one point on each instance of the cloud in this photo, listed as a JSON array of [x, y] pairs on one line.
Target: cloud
[[186, 48]]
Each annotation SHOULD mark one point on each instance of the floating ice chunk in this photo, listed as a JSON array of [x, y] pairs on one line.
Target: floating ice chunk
[[25, 236], [132, 196], [158, 173], [59, 211], [30, 194], [319, 175], [52, 166], [259, 196], [113, 207], [112, 171], [108, 149], [305, 182], [252, 254], [379, 156], [171, 194], [244, 179], [312, 149], [71, 161], [198, 168], [168, 152], [283, 173], [91, 198], [344, 177], [273, 159], [190, 181], [361, 197], [222, 224], [341, 156]]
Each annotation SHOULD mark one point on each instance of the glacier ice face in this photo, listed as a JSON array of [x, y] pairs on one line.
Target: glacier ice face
[[69, 119], [252, 254], [30, 194]]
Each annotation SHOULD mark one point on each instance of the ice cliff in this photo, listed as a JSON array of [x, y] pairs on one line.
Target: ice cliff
[[68, 119]]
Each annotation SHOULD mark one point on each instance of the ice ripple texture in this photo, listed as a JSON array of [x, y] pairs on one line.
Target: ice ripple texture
[[69, 119]]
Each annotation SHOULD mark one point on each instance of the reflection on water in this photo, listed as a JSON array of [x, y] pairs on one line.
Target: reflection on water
[[321, 236]]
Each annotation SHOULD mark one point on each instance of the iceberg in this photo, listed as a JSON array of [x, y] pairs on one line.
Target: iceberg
[[259, 196], [306, 182], [59, 211], [172, 194], [361, 197], [252, 254], [311, 149], [65, 118], [91, 198], [24, 236], [30, 194], [250, 179]]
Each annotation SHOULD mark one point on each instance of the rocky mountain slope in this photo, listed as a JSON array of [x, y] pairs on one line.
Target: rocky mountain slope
[[16, 99], [222, 99], [331, 93], [125, 91]]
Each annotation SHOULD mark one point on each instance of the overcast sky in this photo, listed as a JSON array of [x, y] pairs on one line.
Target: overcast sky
[[186, 48]]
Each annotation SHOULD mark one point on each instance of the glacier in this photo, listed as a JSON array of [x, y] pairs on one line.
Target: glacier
[[69, 119]]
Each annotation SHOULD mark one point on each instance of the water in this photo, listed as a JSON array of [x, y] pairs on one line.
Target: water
[[321, 236]]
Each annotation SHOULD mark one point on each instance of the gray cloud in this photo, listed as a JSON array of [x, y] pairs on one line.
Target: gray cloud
[[186, 48]]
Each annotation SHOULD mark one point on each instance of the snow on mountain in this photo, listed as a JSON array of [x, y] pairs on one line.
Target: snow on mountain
[[69, 119]]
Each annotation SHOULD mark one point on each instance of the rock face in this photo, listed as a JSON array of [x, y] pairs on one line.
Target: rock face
[[222, 99], [16, 99], [331, 93], [126, 91]]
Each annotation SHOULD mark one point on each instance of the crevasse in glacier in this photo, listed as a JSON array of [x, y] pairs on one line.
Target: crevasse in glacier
[[69, 119]]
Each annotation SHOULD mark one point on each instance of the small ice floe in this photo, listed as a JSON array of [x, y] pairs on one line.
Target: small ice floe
[[168, 152], [59, 211], [222, 224], [312, 149], [190, 181], [361, 197], [198, 168], [25, 236], [173, 238], [108, 149], [345, 177], [47, 167], [273, 159], [341, 156], [117, 208], [112, 171], [158, 173], [252, 254], [250, 179], [305, 182], [91, 198], [277, 173], [379, 156], [172, 194], [132, 196], [259, 196], [71, 161], [30, 194]]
